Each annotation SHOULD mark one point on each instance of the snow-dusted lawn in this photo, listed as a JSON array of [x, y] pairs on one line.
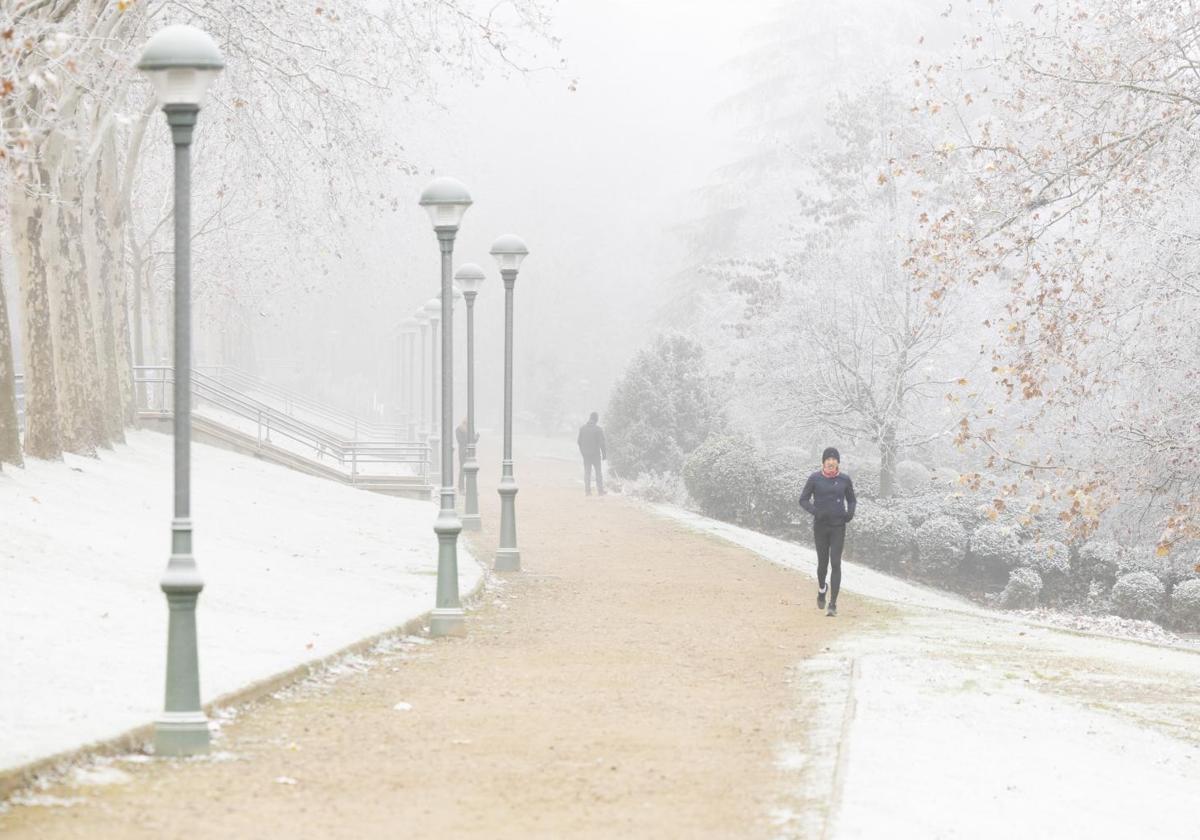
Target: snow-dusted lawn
[[295, 568], [961, 722]]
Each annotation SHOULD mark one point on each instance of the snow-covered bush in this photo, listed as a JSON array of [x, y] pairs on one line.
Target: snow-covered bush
[[1100, 560], [968, 510], [1047, 558], [1138, 595], [941, 543], [1052, 561], [881, 537], [993, 552], [1185, 606], [1177, 567], [1022, 590], [865, 475], [660, 488], [720, 476], [776, 499], [912, 478], [917, 509]]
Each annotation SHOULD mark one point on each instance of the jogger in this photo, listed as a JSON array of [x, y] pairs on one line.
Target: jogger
[[829, 496]]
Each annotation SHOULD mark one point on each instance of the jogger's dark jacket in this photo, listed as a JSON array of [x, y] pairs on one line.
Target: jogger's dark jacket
[[829, 500]]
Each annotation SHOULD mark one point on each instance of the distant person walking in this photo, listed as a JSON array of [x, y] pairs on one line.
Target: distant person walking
[[829, 496], [593, 450], [462, 435]]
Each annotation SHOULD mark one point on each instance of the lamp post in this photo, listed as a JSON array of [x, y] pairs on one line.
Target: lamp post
[[447, 200], [433, 311], [407, 372], [422, 366], [469, 278], [181, 62], [509, 252]]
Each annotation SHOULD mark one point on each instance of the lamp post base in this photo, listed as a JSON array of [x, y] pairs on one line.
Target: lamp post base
[[448, 622], [472, 522], [507, 560], [181, 733]]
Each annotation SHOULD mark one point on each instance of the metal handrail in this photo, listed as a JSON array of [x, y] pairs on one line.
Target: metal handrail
[[269, 419], [247, 381]]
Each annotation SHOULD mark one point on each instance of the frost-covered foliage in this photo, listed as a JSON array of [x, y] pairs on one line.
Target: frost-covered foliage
[[912, 478], [866, 477], [721, 477], [1185, 606], [968, 510], [781, 477], [1139, 595], [1048, 558], [994, 551], [881, 537], [659, 488], [917, 509], [941, 544], [1052, 561], [1100, 560], [663, 407], [1022, 591], [1045, 528]]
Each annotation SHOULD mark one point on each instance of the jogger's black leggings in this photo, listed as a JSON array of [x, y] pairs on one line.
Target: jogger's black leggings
[[829, 538]]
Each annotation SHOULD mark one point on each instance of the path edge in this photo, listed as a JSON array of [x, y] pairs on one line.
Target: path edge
[[15, 779]]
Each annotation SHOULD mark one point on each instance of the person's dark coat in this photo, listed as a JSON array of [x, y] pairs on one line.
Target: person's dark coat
[[591, 442], [829, 500]]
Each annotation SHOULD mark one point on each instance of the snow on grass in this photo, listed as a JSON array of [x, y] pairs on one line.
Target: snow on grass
[[295, 568]]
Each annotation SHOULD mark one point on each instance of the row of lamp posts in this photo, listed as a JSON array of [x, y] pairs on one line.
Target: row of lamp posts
[[181, 62], [447, 201]]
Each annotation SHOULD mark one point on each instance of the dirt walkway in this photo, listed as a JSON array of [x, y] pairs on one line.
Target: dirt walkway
[[634, 680]]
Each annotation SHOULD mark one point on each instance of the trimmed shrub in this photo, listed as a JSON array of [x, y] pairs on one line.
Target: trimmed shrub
[[1099, 561], [881, 537], [1138, 595], [969, 511], [941, 544], [1185, 606], [993, 552], [865, 475], [776, 500], [918, 509], [721, 478], [1052, 561], [1022, 590], [912, 478]]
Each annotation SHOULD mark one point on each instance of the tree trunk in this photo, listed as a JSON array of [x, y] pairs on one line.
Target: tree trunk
[[43, 434], [75, 274], [10, 432], [887, 462], [107, 278], [66, 300]]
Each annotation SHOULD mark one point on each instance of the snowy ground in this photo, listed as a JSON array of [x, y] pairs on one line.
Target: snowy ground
[[955, 721], [295, 568]]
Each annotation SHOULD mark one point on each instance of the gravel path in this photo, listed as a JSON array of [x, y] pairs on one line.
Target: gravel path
[[636, 679]]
